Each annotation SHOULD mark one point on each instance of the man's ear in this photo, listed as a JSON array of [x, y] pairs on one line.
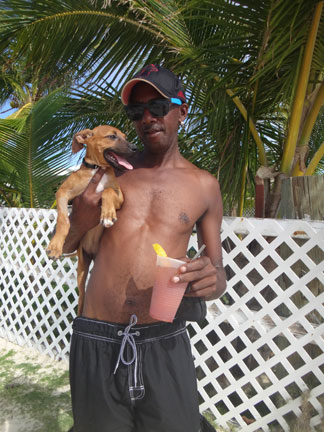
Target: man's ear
[[79, 139], [183, 111]]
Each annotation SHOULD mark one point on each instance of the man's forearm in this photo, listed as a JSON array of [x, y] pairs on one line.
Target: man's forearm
[[220, 284], [74, 237], [72, 241]]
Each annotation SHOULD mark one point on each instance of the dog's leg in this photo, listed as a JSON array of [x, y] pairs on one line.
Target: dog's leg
[[84, 261], [111, 200], [72, 187], [55, 246]]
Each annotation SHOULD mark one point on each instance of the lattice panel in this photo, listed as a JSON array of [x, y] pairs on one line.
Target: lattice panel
[[261, 345], [38, 298]]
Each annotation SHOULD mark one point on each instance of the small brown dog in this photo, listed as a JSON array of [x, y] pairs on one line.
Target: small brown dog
[[106, 146]]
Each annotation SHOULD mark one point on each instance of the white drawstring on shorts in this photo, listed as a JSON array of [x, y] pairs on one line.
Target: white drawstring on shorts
[[128, 338]]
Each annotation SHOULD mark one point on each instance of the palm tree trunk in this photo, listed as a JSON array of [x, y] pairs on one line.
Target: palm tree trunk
[[262, 155], [242, 192], [272, 203], [295, 119], [315, 160], [307, 131]]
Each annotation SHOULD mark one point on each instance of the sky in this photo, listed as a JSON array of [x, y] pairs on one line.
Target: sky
[[4, 110]]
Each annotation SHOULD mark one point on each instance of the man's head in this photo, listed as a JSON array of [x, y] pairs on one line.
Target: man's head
[[155, 100], [163, 80]]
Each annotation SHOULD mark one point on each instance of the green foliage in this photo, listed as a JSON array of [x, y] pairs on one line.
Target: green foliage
[[239, 61], [32, 153]]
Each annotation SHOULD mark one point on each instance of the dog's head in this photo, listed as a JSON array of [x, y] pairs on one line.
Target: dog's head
[[106, 145]]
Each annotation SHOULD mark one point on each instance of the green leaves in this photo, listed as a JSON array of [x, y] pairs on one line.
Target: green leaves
[[32, 152], [239, 62]]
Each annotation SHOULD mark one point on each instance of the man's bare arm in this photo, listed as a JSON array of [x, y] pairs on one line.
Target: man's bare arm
[[206, 275], [85, 213]]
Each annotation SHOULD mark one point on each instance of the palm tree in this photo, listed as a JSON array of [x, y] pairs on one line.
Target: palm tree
[[27, 152], [27, 142], [253, 72]]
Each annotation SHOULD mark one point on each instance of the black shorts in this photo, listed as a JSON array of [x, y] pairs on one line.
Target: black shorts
[[135, 378]]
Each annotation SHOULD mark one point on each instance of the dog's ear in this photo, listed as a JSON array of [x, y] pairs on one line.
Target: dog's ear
[[79, 139]]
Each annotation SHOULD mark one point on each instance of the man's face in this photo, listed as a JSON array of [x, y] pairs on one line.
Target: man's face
[[157, 133]]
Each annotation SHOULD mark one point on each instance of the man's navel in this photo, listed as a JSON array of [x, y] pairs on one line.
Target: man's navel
[[130, 302]]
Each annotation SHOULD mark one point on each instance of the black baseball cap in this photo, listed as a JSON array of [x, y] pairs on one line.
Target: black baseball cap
[[163, 80]]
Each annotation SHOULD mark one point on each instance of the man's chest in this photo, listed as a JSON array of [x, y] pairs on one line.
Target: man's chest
[[162, 199]]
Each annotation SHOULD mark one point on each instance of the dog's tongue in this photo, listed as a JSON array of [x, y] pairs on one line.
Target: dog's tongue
[[123, 162]]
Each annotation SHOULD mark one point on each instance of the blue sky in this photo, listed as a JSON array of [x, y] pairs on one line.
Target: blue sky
[[4, 113]]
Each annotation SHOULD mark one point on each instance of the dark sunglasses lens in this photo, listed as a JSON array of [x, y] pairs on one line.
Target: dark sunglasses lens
[[159, 108], [135, 112]]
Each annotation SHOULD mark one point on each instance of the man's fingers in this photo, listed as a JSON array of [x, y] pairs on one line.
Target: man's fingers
[[195, 265], [191, 276], [201, 293], [187, 277], [202, 284], [92, 186], [194, 271]]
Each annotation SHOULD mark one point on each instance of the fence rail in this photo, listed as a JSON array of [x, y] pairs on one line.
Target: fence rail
[[261, 346]]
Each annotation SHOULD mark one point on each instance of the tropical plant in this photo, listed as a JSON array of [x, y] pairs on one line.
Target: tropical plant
[[253, 72], [29, 137], [31, 159]]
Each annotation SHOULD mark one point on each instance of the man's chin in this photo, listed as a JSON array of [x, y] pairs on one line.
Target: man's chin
[[153, 136], [152, 140]]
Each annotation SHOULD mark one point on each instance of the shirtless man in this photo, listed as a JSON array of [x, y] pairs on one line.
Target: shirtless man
[[129, 372]]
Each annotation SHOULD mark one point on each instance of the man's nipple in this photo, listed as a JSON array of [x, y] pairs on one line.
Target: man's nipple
[[184, 218]]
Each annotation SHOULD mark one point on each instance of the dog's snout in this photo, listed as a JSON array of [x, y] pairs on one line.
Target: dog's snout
[[132, 147]]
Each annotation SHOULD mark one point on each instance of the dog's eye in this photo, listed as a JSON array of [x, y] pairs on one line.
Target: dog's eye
[[111, 137]]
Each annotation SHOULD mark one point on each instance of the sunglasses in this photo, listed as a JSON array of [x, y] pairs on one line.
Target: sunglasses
[[156, 107]]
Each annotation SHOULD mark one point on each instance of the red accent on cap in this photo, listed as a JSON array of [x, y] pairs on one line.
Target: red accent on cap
[[148, 70], [181, 95]]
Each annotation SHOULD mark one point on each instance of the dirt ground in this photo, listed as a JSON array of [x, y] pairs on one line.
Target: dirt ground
[[34, 391]]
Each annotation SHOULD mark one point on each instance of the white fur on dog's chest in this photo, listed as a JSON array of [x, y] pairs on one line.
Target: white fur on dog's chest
[[103, 182]]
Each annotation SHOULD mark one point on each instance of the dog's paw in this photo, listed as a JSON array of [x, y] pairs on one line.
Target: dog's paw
[[107, 222], [108, 216], [52, 254], [54, 250]]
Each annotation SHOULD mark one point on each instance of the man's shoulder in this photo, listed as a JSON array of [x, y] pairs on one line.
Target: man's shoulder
[[208, 179], [196, 169], [203, 175], [207, 183]]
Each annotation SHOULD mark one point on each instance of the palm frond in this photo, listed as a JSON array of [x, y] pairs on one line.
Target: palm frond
[[224, 51]]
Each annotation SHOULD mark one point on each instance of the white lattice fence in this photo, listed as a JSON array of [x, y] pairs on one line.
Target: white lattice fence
[[261, 345], [38, 296]]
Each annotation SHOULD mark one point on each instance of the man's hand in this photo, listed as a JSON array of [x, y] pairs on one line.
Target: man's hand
[[204, 279], [85, 213]]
